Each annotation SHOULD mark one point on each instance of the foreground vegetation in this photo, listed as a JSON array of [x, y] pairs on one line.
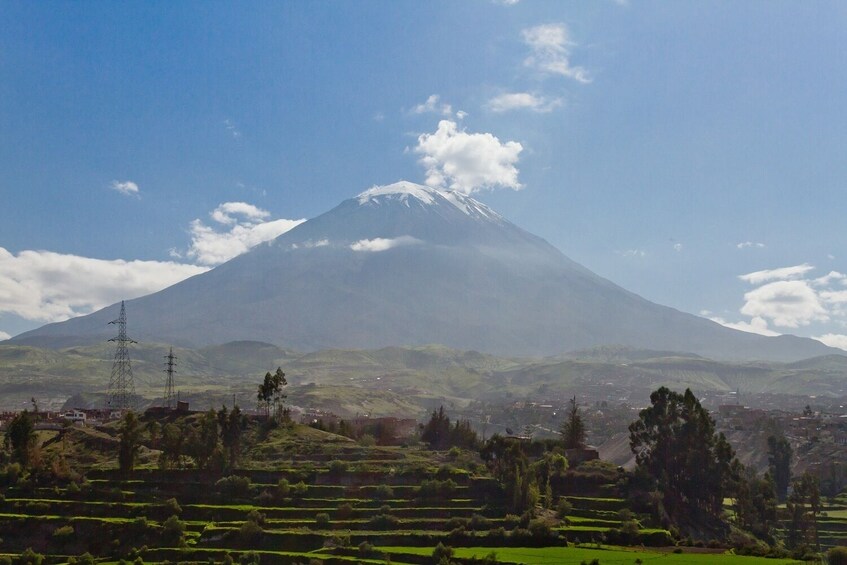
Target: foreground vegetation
[[219, 486]]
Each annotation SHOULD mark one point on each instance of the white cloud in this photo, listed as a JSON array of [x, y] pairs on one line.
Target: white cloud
[[49, 287], [523, 101], [632, 253], [677, 247], [433, 105], [227, 213], [461, 115], [468, 162], [789, 304], [247, 228], [382, 244], [833, 340], [829, 278], [757, 325], [4, 336], [783, 273], [506, 2], [126, 187], [310, 244], [551, 49], [746, 244]]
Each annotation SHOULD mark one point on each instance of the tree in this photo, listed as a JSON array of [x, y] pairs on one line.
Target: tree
[[270, 393], [779, 463], [755, 504], [573, 428], [232, 425], [20, 438], [674, 442], [172, 446], [803, 507], [130, 442], [436, 432], [201, 442]]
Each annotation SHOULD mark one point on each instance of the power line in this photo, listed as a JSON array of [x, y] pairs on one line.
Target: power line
[[170, 395]]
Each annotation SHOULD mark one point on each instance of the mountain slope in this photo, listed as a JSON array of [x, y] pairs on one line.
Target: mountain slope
[[409, 265]]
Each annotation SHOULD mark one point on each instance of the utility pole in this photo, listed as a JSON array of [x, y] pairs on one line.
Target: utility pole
[[121, 386], [170, 396]]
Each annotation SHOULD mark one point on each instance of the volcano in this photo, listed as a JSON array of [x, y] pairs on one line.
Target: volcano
[[405, 264]]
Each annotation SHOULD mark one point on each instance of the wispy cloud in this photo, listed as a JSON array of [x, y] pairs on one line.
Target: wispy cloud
[[677, 247], [783, 273], [247, 226], [748, 244], [383, 244], [468, 162], [833, 340], [632, 253], [756, 325], [433, 105], [523, 101], [551, 51], [44, 286], [4, 336], [126, 187]]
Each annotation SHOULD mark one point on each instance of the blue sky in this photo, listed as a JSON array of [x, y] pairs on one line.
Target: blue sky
[[690, 152]]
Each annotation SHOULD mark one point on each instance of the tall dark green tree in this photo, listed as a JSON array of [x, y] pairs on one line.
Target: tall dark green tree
[[20, 438], [130, 435], [573, 428], [755, 504], [803, 506], [202, 441], [232, 427], [270, 393], [674, 441], [436, 432], [779, 464]]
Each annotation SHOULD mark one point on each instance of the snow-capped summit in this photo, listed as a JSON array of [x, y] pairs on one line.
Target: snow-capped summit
[[405, 191]]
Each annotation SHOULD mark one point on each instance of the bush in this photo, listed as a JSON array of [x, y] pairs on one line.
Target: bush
[[172, 506], [29, 557], [384, 522], [283, 489], [344, 511], [563, 508], [837, 555], [383, 492], [511, 521], [497, 533], [299, 490], [234, 486], [367, 440], [434, 488], [322, 520], [173, 530], [250, 532], [62, 533], [337, 467], [479, 522], [455, 522], [540, 529], [442, 552]]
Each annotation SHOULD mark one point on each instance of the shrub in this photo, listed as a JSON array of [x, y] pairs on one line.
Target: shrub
[[234, 486], [173, 530], [283, 489], [455, 522], [322, 520], [366, 549], [256, 516], [383, 492], [172, 506], [344, 511], [442, 552], [84, 559], [62, 533], [837, 555], [479, 522], [250, 532], [73, 488], [563, 508], [265, 498], [367, 440], [510, 521], [457, 533], [337, 467], [497, 533], [434, 488], [29, 557], [540, 529], [454, 452], [249, 558], [299, 490], [384, 522]]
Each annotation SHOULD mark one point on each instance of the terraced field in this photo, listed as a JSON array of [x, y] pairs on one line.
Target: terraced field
[[311, 497]]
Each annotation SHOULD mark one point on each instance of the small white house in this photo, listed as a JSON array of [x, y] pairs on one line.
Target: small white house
[[75, 416]]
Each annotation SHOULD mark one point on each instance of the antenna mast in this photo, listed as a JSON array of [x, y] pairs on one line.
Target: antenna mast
[[170, 395], [121, 385]]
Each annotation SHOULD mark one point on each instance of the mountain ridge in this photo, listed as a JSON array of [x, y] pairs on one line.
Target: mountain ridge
[[406, 264]]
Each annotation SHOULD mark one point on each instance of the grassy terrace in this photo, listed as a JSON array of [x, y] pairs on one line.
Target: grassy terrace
[[185, 515]]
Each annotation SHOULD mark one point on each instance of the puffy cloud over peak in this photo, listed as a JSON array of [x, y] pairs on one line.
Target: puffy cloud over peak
[[468, 162]]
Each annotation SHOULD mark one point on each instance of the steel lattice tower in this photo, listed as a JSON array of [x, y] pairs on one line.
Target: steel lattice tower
[[121, 385], [170, 395]]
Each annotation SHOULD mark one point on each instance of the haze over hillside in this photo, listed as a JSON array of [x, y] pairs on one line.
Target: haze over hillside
[[406, 264]]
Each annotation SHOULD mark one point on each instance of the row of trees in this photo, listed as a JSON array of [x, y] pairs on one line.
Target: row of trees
[[213, 441]]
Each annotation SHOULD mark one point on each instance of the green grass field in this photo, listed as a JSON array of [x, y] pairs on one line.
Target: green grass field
[[576, 555]]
